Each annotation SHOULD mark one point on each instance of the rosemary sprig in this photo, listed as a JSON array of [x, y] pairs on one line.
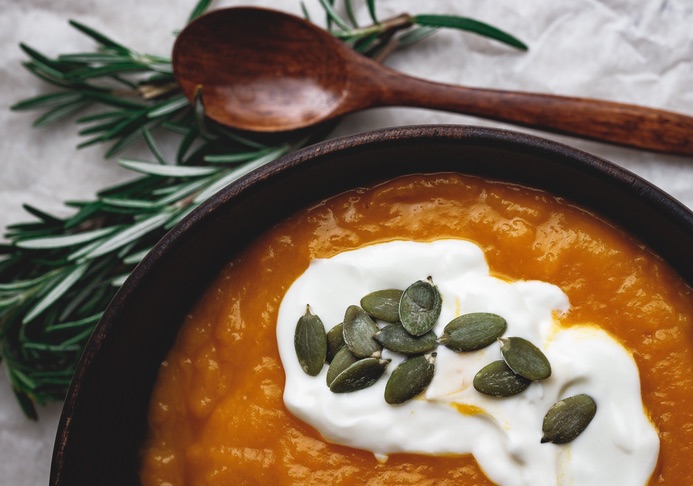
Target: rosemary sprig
[[58, 274]]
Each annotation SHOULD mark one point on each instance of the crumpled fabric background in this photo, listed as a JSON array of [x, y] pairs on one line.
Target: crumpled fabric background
[[635, 51]]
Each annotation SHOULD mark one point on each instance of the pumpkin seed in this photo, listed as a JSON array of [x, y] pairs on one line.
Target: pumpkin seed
[[498, 380], [310, 342], [359, 375], [470, 332], [567, 418], [358, 332], [420, 307], [525, 359], [335, 341], [410, 378], [383, 304], [395, 338], [342, 360]]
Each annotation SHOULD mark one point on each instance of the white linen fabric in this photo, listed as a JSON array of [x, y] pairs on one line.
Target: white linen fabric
[[635, 51]]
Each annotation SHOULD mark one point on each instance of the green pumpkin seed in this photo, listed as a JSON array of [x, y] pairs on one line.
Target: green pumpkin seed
[[470, 332], [335, 341], [383, 304], [567, 418], [358, 332], [310, 342], [498, 380], [420, 307], [410, 378], [395, 338], [359, 375], [342, 360], [525, 359]]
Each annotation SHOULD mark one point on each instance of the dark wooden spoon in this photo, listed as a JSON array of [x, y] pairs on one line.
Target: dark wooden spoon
[[267, 71]]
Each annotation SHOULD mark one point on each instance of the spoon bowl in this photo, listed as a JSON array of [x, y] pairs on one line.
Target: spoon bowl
[[261, 69], [266, 71]]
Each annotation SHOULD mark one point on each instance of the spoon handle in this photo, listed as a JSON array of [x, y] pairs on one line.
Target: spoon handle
[[605, 121]]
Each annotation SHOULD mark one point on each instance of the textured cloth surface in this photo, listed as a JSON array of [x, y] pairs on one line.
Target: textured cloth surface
[[635, 51]]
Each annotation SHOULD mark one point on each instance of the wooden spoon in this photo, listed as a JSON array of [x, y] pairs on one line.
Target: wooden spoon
[[267, 71]]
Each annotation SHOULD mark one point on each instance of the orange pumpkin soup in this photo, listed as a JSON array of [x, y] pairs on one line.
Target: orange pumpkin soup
[[217, 416]]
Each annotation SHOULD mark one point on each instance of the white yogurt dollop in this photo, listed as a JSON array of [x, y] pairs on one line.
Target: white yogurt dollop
[[619, 447]]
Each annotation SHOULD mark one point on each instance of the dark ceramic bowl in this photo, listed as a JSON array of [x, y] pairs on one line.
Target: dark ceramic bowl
[[105, 416]]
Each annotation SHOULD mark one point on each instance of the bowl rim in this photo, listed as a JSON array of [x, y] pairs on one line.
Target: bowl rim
[[626, 180]]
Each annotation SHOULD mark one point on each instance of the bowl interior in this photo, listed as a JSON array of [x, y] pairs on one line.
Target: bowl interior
[[105, 416]]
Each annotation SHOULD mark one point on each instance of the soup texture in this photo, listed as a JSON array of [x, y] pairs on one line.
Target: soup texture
[[217, 415]]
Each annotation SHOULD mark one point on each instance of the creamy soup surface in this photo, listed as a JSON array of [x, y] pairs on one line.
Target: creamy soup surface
[[217, 414]]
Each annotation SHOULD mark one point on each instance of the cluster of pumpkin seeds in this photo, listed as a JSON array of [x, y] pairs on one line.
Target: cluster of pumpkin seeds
[[353, 348], [522, 364], [353, 351]]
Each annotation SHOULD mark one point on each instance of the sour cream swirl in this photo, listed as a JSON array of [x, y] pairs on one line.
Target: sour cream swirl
[[619, 447]]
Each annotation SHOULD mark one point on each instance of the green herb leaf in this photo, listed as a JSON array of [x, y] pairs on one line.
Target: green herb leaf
[[199, 9], [371, 11], [469, 25], [46, 101], [349, 9], [42, 215], [56, 292], [333, 15], [63, 241], [130, 234], [98, 37], [166, 170], [169, 107], [60, 113]]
